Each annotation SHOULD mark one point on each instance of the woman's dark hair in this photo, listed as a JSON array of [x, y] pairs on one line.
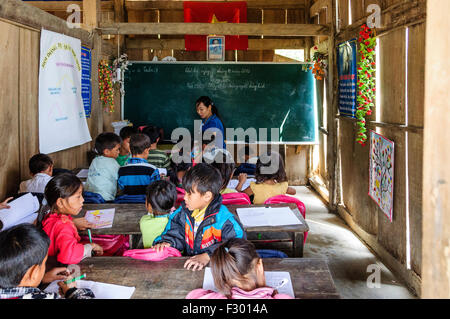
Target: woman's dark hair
[[207, 102], [204, 177], [61, 186], [39, 163], [175, 168], [162, 195], [270, 166], [232, 261], [225, 164], [139, 143], [106, 141], [22, 247]]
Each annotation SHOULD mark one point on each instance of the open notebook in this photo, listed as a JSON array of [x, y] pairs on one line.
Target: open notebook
[[101, 290]]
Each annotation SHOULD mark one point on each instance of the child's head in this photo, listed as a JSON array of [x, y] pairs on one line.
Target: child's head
[[140, 145], [23, 255], [177, 171], [225, 164], [108, 144], [202, 184], [236, 263], [64, 194], [40, 163], [161, 197], [125, 134], [153, 133], [270, 166]]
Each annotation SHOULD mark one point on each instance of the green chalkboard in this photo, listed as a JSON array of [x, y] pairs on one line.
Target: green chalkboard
[[248, 95]]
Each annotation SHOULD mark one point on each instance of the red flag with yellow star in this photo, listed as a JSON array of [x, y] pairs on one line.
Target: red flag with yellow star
[[215, 12]]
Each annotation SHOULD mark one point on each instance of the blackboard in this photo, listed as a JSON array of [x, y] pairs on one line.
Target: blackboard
[[248, 95]]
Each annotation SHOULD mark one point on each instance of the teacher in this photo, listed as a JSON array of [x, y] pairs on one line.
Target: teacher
[[209, 114]]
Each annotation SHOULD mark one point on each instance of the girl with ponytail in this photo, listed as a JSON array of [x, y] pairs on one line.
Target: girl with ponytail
[[238, 273]]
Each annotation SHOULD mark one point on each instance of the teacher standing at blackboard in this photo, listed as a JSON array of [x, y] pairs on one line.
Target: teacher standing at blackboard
[[209, 114]]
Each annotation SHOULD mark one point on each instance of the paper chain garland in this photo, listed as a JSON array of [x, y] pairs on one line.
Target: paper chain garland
[[366, 79], [105, 86]]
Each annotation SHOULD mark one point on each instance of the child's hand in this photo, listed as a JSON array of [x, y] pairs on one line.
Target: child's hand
[[97, 249], [4, 203], [63, 287], [58, 273], [241, 178], [82, 223], [160, 246], [198, 262]]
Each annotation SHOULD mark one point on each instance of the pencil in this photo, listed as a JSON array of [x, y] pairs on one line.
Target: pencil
[[74, 279], [89, 233]]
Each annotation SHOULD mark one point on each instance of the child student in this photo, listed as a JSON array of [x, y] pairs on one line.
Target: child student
[[201, 223], [238, 273], [156, 157], [247, 167], [225, 164], [177, 171], [102, 175], [124, 151], [270, 177], [64, 197], [23, 256], [41, 169], [161, 197], [137, 174]]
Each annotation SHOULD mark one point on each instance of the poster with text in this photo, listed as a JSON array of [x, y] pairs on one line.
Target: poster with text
[[347, 78], [86, 87], [381, 174], [62, 119]]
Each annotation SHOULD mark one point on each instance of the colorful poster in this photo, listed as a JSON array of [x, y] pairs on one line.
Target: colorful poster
[[381, 172], [86, 88], [347, 78], [62, 119]]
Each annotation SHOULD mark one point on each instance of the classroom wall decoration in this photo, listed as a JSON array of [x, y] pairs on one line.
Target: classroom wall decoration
[[105, 86], [381, 174], [347, 78], [86, 87], [62, 119]]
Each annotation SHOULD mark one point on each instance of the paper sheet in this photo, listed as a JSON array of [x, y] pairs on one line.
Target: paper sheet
[[234, 182], [162, 171], [101, 290], [280, 280], [102, 218], [20, 209], [83, 173], [267, 216]]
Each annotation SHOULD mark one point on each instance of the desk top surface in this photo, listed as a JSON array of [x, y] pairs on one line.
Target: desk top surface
[[168, 279], [127, 217]]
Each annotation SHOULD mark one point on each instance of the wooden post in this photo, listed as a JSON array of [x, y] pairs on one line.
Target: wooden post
[[119, 16], [436, 171], [91, 13], [332, 111]]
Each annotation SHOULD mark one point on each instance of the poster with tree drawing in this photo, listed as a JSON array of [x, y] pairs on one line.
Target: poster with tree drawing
[[381, 172]]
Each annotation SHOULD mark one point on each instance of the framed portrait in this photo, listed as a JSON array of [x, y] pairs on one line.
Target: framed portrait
[[215, 48]]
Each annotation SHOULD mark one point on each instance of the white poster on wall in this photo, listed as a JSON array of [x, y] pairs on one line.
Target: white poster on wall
[[62, 120]]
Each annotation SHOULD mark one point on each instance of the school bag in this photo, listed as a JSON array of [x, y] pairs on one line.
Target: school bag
[[150, 254]]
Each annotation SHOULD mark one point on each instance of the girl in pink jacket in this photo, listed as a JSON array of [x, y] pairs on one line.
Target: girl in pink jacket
[[64, 197], [238, 273]]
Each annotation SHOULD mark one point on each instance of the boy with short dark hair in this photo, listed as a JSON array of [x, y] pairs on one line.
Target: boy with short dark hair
[[124, 152], [201, 212], [156, 157], [137, 174], [23, 254], [103, 171], [41, 169], [161, 197]]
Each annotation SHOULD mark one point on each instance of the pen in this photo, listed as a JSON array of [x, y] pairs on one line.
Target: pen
[[89, 233], [74, 279]]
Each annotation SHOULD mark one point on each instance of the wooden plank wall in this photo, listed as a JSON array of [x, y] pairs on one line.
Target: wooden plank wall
[[402, 98], [19, 99]]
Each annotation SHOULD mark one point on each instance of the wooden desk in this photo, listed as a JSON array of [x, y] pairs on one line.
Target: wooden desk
[[167, 279], [127, 217]]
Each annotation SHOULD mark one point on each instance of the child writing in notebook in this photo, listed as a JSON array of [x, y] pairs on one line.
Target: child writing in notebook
[[201, 223], [124, 151], [41, 169], [23, 256], [270, 177], [161, 197], [103, 172], [64, 197], [238, 273]]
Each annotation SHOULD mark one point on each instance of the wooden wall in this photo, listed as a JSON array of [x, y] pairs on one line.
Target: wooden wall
[[20, 26], [400, 119]]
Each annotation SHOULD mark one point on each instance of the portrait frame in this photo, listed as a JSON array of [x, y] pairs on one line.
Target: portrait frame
[[215, 48]]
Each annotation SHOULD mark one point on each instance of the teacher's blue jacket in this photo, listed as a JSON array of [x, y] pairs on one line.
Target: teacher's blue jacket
[[214, 122]]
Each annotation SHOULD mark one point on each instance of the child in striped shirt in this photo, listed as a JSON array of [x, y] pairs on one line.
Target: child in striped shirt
[[156, 157]]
